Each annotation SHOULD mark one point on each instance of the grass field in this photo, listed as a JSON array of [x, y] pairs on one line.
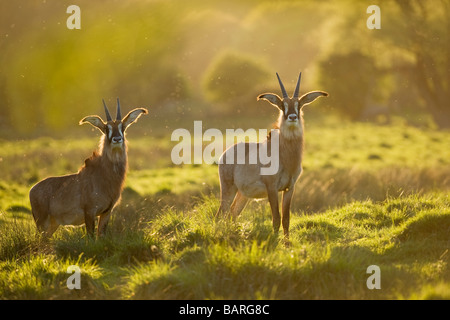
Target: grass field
[[369, 195]]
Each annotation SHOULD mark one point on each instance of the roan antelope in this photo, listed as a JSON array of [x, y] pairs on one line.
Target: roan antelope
[[95, 190], [241, 181]]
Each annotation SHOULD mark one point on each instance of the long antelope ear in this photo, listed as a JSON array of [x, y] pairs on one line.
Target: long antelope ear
[[132, 117], [273, 98], [309, 97], [95, 121]]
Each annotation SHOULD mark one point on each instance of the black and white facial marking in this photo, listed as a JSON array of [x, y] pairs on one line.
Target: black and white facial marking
[[115, 133], [291, 112], [291, 108], [113, 140], [114, 130]]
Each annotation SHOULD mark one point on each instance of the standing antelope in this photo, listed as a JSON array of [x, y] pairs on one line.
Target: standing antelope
[[94, 191], [243, 181]]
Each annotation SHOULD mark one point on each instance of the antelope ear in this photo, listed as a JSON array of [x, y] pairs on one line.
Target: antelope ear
[[132, 117], [273, 98], [95, 121], [309, 97]]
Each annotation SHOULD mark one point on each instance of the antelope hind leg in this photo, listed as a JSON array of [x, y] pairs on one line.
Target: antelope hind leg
[[89, 220], [103, 220], [48, 228], [227, 194], [239, 203]]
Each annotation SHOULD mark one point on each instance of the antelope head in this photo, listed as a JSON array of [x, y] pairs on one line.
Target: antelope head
[[291, 108], [114, 130]]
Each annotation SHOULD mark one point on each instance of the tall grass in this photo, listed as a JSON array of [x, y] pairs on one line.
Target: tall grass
[[328, 258], [45, 277], [189, 254], [350, 210]]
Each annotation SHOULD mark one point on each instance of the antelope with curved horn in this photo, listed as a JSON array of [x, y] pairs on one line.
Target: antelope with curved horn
[[240, 182], [95, 190]]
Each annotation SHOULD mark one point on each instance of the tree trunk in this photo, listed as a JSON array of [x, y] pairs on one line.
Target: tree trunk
[[441, 114]]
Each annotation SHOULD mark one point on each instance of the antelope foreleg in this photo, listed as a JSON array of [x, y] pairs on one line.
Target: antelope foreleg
[[273, 200], [285, 210]]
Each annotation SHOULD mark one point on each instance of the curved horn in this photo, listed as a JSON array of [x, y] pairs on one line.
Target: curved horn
[[295, 96], [108, 116], [118, 116], [283, 90]]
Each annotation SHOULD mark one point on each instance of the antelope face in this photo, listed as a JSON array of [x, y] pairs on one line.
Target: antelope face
[[291, 108], [114, 133], [114, 130], [291, 112]]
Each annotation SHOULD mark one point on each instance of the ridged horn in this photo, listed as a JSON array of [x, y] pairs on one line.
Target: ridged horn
[[108, 116], [118, 116], [283, 90], [297, 88]]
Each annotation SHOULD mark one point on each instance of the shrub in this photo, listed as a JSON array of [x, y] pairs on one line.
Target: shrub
[[232, 75], [348, 78]]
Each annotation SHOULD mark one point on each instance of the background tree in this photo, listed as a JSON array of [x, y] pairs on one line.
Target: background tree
[[349, 89], [232, 75], [425, 29]]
